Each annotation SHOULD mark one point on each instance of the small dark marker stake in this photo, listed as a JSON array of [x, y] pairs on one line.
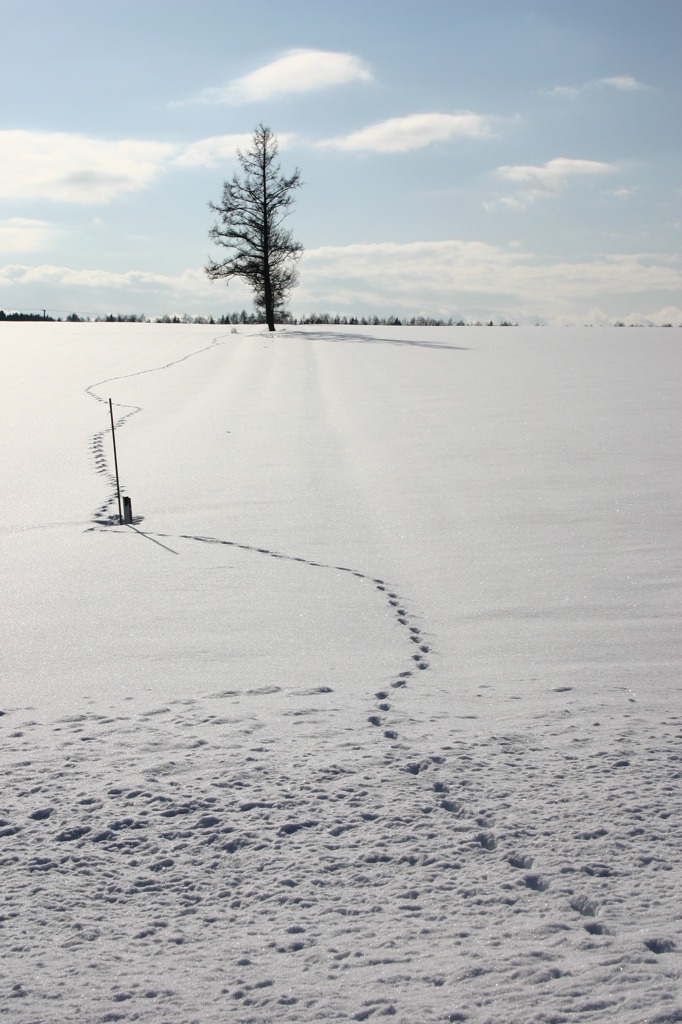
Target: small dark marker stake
[[118, 486]]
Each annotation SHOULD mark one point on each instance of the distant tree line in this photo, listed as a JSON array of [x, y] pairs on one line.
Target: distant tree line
[[242, 317], [24, 316], [391, 321], [254, 318]]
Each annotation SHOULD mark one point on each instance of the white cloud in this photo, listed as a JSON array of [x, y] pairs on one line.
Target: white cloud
[[298, 71], [401, 134], [220, 149], [624, 83], [75, 168], [445, 278], [215, 150], [553, 175], [98, 291], [569, 91], [20, 234], [548, 179], [134, 281], [72, 168]]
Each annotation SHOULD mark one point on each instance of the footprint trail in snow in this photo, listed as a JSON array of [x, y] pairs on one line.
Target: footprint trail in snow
[[190, 862]]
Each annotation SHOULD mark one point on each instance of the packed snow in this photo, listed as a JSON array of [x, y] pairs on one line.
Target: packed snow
[[374, 709]]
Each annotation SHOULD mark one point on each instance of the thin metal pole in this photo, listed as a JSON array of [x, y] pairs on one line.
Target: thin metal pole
[[118, 486]]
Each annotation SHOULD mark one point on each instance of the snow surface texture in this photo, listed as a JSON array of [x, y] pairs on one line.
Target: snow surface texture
[[375, 708]]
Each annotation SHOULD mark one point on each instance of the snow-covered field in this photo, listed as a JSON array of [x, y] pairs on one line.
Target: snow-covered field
[[375, 710]]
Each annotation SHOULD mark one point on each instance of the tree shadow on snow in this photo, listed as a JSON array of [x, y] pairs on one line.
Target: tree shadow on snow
[[373, 340]]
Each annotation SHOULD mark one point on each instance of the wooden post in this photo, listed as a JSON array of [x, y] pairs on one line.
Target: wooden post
[[118, 486]]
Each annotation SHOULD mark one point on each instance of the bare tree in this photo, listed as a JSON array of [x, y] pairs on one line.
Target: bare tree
[[252, 211]]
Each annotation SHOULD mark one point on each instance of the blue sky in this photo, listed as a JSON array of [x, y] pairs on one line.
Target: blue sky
[[497, 159]]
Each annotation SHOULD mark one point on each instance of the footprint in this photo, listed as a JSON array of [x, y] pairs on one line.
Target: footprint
[[41, 814], [659, 946], [518, 861], [69, 835], [596, 833], [536, 882], [584, 905], [486, 840]]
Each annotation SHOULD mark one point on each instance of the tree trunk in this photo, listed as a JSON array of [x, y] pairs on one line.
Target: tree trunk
[[267, 285], [267, 294]]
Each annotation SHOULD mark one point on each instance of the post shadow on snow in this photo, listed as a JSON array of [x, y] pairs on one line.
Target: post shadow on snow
[[373, 340], [147, 536]]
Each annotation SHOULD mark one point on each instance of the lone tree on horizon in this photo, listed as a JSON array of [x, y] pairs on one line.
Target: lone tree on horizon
[[253, 208]]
